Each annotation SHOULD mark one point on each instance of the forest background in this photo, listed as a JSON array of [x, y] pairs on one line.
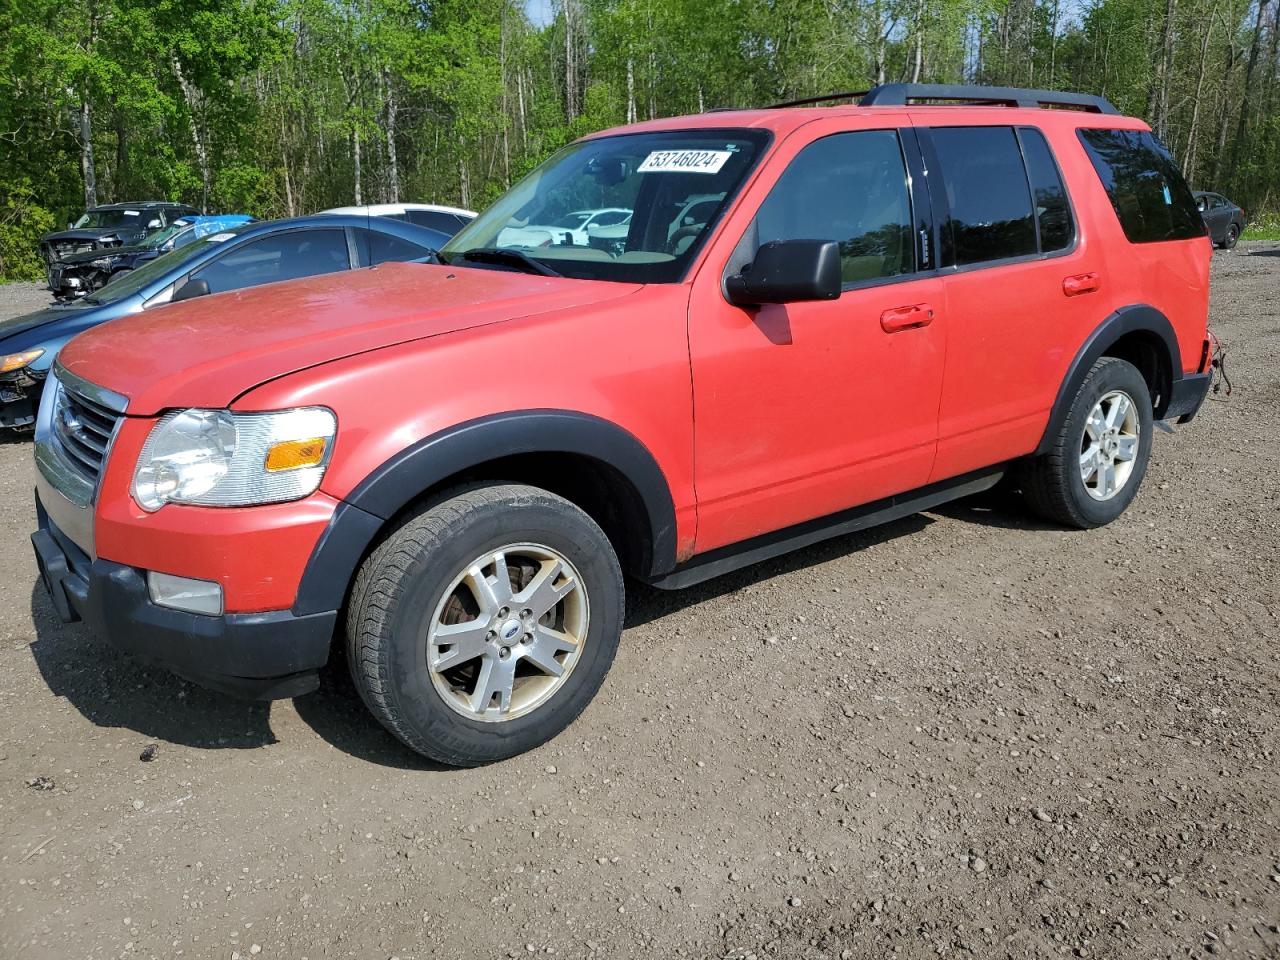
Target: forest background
[[283, 107]]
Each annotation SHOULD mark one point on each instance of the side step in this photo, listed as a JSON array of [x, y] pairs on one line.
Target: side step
[[724, 560]]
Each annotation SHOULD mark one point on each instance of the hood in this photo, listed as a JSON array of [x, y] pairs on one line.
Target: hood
[[89, 233], [31, 321], [76, 259], [207, 351]]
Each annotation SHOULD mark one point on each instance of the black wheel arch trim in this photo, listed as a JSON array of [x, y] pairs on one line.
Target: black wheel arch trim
[[1135, 318], [407, 475]]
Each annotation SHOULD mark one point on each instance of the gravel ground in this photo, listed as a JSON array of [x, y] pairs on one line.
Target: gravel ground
[[966, 733]]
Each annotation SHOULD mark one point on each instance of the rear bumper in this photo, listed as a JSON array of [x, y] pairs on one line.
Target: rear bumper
[[262, 656], [1186, 396]]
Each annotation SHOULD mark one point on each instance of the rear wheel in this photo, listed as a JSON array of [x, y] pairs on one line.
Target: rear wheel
[[1099, 455], [1231, 236], [485, 624]]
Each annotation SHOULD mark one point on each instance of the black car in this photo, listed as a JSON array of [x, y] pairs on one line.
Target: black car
[[111, 225], [79, 274], [1223, 218]]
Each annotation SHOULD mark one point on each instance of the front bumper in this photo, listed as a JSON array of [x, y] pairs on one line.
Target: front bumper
[[261, 656]]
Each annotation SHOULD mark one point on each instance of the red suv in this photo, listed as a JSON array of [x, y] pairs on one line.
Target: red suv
[[814, 318]]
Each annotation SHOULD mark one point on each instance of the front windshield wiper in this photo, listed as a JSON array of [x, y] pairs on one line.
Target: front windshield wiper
[[507, 256]]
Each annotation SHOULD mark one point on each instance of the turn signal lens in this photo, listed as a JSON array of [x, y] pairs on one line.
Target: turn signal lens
[[16, 361], [293, 454]]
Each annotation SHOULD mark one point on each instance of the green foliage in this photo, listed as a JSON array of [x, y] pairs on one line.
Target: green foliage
[[22, 222], [284, 107]]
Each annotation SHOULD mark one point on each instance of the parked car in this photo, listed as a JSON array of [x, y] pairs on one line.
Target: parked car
[[448, 220], [1223, 218], [231, 259], [578, 227], [447, 469], [79, 274], [111, 225]]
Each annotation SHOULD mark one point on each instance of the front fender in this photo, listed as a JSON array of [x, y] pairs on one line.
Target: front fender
[[427, 463]]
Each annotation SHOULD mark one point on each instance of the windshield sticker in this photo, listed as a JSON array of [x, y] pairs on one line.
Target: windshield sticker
[[219, 237], [684, 161], [132, 213]]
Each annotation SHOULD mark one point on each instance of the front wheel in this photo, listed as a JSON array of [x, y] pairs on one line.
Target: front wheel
[[1099, 455], [1231, 236], [484, 625]]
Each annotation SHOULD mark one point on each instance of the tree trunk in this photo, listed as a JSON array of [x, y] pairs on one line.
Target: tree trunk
[[393, 164], [1158, 92], [631, 91], [1189, 158], [1242, 127], [191, 95], [87, 169], [355, 156], [464, 178], [918, 59]]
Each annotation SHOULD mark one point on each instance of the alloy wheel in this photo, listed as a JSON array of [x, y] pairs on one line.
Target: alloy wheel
[[1109, 446], [508, 632]]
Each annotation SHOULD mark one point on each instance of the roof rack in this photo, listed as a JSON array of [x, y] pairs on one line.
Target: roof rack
[[825, 98], [902, 94]]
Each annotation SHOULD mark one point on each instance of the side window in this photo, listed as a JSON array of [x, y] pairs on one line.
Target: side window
[[385, 246], [183, 238], [1151, 200], [446, 223], [1053, 212], [284, 256], [986, 184], [851, 188]]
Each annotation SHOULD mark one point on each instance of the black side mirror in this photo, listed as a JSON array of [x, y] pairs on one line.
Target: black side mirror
[[190, 290], [788, 271]]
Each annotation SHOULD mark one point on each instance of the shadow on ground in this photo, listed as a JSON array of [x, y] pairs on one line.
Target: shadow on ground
[[112, 689]]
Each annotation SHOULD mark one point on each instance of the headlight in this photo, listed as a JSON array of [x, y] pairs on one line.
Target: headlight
[[16, 361], [217, 458], [102, 263]]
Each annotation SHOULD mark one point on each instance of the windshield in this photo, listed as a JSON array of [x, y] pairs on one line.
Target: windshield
[[97, 219], [127, 284], [673, 185]]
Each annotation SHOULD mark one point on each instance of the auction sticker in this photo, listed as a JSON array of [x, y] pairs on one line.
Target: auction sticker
[[685, 161]]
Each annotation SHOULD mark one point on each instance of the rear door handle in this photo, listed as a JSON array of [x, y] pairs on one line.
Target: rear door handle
[[906, 318], [1080, 283]]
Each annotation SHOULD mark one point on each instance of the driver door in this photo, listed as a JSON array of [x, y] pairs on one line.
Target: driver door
[[805, 409]]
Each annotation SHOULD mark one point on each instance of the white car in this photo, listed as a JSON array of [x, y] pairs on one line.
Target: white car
[[447, 220], [573, 229]]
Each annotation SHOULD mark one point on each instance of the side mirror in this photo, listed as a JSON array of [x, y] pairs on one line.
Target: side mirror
[[154, 224], [788, 271], [69, 225], [190, 290]]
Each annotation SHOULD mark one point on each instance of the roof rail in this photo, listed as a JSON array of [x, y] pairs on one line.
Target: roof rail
[[902, 94], [825, 98]]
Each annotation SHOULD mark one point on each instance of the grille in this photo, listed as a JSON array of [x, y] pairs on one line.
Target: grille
[[83, 430]]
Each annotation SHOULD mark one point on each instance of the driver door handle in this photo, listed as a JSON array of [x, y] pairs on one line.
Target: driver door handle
[[910, 317]]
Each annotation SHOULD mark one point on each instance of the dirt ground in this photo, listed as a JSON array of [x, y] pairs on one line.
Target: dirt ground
[[967, 733]]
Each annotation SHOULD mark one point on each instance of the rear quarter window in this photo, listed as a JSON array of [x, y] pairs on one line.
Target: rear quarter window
[[1150, 198]]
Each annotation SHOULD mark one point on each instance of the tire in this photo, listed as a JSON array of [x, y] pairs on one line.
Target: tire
[[1231, 236], [1055, 484], [425, 580]]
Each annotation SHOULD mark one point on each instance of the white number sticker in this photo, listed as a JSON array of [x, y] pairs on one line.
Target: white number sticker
[[219, 237], [685, 161]]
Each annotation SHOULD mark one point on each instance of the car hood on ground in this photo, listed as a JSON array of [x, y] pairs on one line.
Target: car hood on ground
[[77, 259], [208, 351]]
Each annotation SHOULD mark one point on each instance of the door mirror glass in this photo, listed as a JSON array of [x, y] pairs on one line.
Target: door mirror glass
[[154, 224], [788, 271], [190, 290]]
